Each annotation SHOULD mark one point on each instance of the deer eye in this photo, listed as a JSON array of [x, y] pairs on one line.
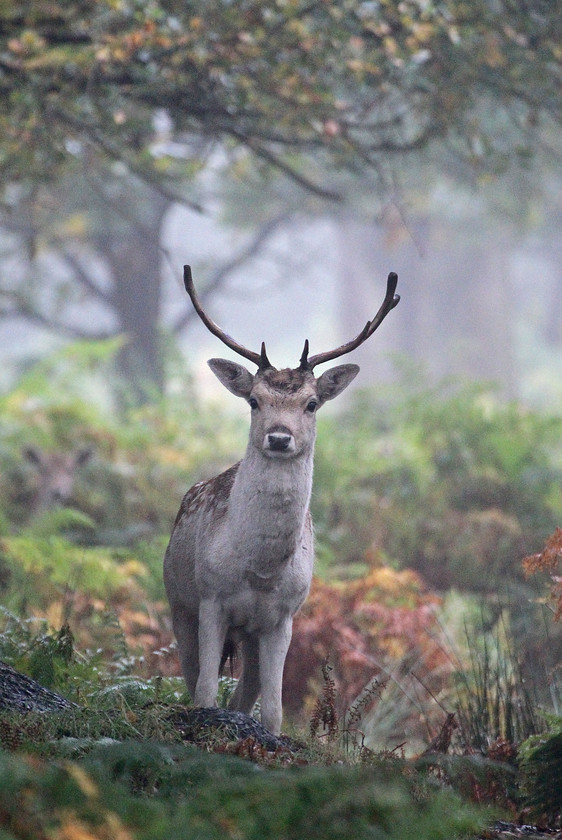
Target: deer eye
[[253, 403], [311, 406]]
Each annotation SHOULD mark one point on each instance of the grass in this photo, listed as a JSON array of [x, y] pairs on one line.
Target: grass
[[117, 768], [149, 790]]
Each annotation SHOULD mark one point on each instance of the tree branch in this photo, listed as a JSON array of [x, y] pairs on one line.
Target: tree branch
[[284, 167], [82, 276], [24, 309], [222, 272], [117, 153]]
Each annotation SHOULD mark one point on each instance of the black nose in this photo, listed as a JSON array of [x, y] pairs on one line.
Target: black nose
[[278, 441]]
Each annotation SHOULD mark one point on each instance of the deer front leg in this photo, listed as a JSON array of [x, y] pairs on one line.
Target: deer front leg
[[212, 634], [273, 651]]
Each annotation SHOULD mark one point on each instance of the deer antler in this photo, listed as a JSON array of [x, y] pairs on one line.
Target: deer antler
[[390, 301], [259, 359]]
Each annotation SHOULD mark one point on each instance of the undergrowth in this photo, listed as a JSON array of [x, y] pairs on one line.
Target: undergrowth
[[120, 754], [151, 791], [423, 485], [117, 768]]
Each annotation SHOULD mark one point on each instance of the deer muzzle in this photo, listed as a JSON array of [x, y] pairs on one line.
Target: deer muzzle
[[279, 440]]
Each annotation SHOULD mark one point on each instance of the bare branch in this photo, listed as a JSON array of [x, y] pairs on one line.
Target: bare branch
[[22, 308], [82, 276], [284, 167]]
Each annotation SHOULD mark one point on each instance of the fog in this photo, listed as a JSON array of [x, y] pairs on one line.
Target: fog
[[478, 299]]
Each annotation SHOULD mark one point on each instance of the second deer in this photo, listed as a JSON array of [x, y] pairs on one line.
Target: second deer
[[239, 562], [56, 476]]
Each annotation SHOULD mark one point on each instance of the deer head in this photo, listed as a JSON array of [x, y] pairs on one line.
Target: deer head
[[56, 472]]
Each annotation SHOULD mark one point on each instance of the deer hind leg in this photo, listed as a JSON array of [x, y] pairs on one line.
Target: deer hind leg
[[248, 688], [186, 632]]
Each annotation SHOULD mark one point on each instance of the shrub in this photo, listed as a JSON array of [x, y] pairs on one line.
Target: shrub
[[133, 791]]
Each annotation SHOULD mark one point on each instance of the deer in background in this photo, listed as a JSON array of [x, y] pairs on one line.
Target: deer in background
[[239, 562], [56, 475]]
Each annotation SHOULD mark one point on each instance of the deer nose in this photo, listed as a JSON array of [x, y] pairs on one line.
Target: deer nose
[[58, 494], [279, 441]]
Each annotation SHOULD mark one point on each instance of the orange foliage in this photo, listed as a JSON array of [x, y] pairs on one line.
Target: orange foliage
[[359, 627], [547, 561]]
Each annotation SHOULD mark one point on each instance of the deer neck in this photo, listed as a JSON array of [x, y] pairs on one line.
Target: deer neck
[[268, 508]]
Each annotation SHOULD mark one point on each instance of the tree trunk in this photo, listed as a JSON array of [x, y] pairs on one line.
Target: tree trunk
[[134, 258]]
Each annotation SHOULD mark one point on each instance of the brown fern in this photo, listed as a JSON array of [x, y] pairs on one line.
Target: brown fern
[[369, 694], [325, 712], [547, 561]]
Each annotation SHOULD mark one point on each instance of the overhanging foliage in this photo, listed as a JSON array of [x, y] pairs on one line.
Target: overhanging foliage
[[352, 79]]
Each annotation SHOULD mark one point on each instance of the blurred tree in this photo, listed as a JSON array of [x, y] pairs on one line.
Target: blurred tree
[[155, 92], [93, 240]]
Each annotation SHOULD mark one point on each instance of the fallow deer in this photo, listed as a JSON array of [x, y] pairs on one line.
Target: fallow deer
[[239, 562], [56, 476]]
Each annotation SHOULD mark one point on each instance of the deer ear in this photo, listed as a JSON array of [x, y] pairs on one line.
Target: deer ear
[[33, 455], [233, 376], [334, 381], [82, 456]]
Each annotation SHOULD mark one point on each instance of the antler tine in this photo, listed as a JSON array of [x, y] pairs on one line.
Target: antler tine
[[259, 359], [304, 357], [390, 301]]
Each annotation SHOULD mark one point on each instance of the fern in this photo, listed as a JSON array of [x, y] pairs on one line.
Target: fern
[[325, 711]]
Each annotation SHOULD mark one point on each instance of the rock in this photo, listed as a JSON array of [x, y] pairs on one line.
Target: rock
[[19, 693], [195, 724]]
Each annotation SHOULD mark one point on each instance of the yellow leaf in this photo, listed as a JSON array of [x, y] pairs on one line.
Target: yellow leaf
[[74, 829], [75, 226], [84, 782]]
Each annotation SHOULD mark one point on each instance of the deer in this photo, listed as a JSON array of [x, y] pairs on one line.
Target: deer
[[56, 475], [239, 562]]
